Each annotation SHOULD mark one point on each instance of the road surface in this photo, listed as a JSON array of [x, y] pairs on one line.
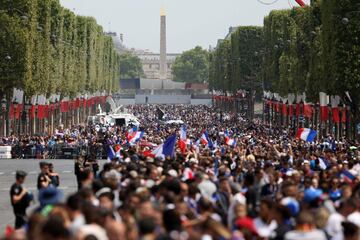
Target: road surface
[[7, 177]]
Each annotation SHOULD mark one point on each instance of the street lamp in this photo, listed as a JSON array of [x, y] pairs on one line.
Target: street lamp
[[8, 57], [15, 105], [24, 116], [345, 20]]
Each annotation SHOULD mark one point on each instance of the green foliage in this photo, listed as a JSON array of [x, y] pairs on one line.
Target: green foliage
[[237, 63], [54, 51], [130, 66], [192, 66]]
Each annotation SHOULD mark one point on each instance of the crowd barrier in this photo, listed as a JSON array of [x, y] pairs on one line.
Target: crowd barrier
[[56, 151]]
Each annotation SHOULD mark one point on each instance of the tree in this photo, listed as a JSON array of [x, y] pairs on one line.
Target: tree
[[130, 66], [192, 66], [46, 49]]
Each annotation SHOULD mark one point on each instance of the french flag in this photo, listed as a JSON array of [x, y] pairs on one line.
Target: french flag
[[205, 140], [165, 149], [183, 141], [348, 176], [324, 111], [306, 134], [113, 153], [230, 141], [182, 133], [135, 136], [324, 164]]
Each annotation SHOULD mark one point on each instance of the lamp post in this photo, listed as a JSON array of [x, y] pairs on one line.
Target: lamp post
[[14, 127], [26, 117], [3, 110]]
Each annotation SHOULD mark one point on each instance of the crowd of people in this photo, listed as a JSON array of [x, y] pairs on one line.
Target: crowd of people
[[263, 184]]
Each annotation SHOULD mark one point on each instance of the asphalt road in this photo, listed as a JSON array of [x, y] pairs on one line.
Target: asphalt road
[[65, 168]]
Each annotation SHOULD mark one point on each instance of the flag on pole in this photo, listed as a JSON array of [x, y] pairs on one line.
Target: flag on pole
[[348, 176], [230, 141], [135, 136], [205, 140], [324, 101], [110, 153], [335, 101], [324, 164], [166, 149], [306, 134]]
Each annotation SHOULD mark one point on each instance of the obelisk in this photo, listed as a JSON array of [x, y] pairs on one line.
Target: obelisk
[[163, 65]]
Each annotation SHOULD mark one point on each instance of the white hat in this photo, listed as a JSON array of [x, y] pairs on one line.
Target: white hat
[[173, 173]]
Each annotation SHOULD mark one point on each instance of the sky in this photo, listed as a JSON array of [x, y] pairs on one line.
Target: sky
[[190, 23]]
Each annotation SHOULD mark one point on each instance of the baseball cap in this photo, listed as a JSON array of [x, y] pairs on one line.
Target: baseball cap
[[311, 194]]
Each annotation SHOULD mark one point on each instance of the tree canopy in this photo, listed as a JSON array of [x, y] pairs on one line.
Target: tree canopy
[[192, 66], [236, 63], [130, 66], [308, 49], [46, 49]]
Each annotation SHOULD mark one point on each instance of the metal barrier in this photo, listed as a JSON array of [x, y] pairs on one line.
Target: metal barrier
[[58, 151]]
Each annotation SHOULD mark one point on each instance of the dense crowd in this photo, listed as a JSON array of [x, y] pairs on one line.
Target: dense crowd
[[266, 184]]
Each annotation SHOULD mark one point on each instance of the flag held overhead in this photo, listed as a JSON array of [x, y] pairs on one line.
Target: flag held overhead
[[306, 134]]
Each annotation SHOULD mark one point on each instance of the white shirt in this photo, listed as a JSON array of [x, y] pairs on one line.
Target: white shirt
[[354, 218], [333, 226], [264, 230]]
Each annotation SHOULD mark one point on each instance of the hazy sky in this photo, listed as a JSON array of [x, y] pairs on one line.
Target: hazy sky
[[189, 22]]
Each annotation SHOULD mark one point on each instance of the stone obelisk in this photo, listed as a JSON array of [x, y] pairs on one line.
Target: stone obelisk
[[163, 65]]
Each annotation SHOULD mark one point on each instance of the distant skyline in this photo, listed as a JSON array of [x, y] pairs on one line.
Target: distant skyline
[[189, 22]]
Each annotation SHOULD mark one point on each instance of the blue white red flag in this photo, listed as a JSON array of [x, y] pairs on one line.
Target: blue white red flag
[[205, 140], [230, 141], [306, 134], [165, 149], [324, 164], [348, 176]]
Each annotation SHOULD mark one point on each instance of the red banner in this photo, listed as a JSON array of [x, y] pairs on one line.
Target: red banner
[[64, 106], [297, 111], [344, 115], [324, 113], [308, 111], [41, 111], [335, 115], [32, 112], [18, 111], [284, 109], [291, 110], [11, 111]]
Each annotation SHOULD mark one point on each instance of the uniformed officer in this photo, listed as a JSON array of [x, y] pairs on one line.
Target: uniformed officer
[[20, 199]]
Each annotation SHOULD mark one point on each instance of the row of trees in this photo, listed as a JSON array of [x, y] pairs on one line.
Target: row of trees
[[301, 50], [236, 63], [47, 49]]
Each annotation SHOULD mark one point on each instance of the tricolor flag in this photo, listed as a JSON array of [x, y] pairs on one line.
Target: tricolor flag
[[134, 136], [182, 133], [324, 164], [183, 141], [230, 141], [113, 152], [348, 176], [324, 111], [165, 149], [110, 153], [205, 140], [306, 134]]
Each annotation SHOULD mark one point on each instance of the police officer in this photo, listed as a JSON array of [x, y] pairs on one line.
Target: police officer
[[20, 199]]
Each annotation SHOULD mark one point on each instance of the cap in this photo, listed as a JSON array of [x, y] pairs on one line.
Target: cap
[[172, 173], [311, 194]]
